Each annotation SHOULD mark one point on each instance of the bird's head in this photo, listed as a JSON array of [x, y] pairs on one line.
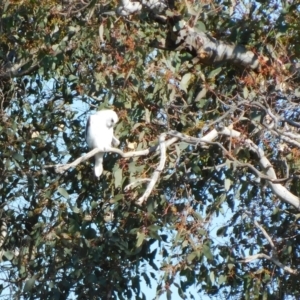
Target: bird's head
[[111, 118]]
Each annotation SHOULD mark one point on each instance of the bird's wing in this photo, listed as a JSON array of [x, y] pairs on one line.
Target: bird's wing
[[115, 141], [88, 132], [87, 127], [97, 132]]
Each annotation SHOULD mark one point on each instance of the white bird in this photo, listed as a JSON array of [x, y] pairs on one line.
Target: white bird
[[99, 133]]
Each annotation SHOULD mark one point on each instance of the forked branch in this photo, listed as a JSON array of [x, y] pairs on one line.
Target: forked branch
[[272, 258], [268, 170]]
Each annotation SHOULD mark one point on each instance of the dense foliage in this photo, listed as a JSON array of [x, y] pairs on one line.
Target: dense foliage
[[72, 235]]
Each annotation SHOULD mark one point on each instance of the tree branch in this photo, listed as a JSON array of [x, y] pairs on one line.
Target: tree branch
[[207, 49], [157, 172], [265, 234], [274, 260], [278, 189], [61, 168], [270, 175]]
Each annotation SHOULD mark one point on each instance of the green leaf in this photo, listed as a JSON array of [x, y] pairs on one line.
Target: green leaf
[[140, 238], [169, 294], [147, 279], [200, 26], [196, 169], [207, 252], [297, 92], [222, 231], [9, 255], [183, 145], [90, 233], [94, 204], [222, 279], [30, 183], [191, 256], [63, 192], [201, 232], [154, 228], [214, 73], [197, 216], [256, 115], [73, 78], [22, 270], [184, 83], [179, 25], [76, 210], [118, 178], [212, 277], [245, 92], [203, 102], [154, 235], [227, 184], [117, 198], [201, 94], [18, 157], [55, 47], [185, 244], [29, 285]]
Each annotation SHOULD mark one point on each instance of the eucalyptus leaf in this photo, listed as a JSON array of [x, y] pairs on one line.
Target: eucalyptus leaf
[[184, 83], [140, 238], [63, 192], [29, 284]]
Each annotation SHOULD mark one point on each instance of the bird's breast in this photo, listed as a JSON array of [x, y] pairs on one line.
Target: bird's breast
[[99, 137]]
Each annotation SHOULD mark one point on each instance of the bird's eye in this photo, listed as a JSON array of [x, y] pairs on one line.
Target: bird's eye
[[110, 123]]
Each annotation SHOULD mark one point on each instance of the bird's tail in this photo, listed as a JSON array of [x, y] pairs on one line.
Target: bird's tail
[[98, 164]]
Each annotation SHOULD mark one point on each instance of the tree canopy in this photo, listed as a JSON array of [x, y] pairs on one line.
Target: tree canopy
[[203, 190]]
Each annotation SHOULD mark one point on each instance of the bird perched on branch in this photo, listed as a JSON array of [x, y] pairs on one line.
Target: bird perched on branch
[[100, 134]]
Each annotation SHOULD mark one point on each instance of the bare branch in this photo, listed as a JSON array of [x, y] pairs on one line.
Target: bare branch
[[157, 172], [208, 49], [64, 167], [274, 256], [270, 175], [274, 260], [282, 192], [247, 165], [285, 138], [265, 234], [213, 134]]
